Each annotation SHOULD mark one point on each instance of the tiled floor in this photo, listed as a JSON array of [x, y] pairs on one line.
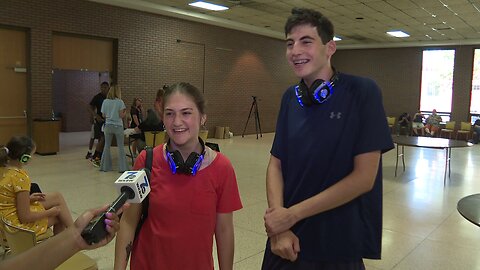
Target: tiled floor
[[422, 228]]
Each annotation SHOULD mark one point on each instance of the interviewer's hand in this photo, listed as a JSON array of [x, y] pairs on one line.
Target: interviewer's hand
[[112, 223]]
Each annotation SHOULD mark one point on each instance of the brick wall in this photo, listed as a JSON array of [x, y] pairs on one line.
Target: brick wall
[[229, 66], [398, 72]]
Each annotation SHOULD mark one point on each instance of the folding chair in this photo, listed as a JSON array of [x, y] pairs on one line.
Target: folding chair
[[391, 123], [449, 129], [20, 240], [17, 248], [465, 129], [154, 138]]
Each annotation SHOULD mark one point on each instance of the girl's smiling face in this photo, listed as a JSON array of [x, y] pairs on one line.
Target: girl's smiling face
[[182, 120]]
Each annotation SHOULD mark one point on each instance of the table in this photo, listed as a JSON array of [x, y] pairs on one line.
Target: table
[[45, 134], [469, 208], [428, 142]]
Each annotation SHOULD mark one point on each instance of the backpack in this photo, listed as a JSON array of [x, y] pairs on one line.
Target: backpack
[[148, 170]]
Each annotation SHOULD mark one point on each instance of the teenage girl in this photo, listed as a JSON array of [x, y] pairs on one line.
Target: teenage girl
[[193, 195], [36, 211]]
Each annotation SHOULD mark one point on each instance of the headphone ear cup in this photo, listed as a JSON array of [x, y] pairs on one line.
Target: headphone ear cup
[[303, 95], [175, 161], [24, 158], [193, 163], [322, 92]]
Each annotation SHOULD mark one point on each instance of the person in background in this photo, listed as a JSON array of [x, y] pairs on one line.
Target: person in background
[[193, 195], [55, 250], [95, 108], [158, 105], [433, 123], [136, 113], [324, 177], [417, 123], [404, 121], [151, 123], [113, 110], [476, 132], [36, 211], [92, 141]]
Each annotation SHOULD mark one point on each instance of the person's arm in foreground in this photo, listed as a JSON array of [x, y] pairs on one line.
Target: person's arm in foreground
[[284, 244], [359, 181], [126, 235], [52, 252], [225, 239]]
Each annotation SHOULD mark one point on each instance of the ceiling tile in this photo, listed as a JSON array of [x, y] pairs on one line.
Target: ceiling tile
[[413, 16]]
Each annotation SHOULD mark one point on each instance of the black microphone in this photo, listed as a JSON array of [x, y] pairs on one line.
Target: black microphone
[[133, 187]]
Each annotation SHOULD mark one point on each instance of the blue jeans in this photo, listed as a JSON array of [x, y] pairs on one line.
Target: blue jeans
[[106, 163], [476, 137]]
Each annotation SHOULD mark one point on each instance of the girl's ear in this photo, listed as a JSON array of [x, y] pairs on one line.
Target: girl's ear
[[203, 120]]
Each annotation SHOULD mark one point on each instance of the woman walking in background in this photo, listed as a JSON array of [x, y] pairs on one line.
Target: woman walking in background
[[113, 110]]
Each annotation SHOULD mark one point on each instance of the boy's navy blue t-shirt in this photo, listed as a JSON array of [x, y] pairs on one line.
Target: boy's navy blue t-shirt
[[316, 146]]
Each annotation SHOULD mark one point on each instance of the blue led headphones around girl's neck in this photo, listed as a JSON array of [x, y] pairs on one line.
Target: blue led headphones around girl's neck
[[190, 166]]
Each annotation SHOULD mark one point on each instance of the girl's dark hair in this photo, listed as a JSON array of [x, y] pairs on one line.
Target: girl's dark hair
[[187, 89], [151, 119], [15, 148], [161, 92], [301, 16], [134, 103]]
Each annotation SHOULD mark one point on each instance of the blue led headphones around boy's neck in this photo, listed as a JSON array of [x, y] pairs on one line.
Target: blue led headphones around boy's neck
[[190, 166], [318, 93]]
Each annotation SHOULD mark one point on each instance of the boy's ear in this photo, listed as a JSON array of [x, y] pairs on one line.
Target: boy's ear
[[331, 47]]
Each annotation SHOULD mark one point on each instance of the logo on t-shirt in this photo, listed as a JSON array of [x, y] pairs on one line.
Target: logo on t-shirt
[[338, 115]]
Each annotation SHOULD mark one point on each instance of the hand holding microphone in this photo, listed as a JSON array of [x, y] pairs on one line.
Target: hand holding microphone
[[133, 187]]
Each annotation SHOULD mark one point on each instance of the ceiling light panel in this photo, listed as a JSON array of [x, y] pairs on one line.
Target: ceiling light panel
[[208, 6]]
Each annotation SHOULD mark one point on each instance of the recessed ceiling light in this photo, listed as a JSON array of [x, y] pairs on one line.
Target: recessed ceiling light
[[209, 6], [398, 34], [336, 38]]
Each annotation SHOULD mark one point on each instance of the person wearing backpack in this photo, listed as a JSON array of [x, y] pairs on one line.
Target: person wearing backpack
[[193, 195]]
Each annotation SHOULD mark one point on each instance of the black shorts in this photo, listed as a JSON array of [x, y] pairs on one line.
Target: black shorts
[[97, 130], [274, 262]]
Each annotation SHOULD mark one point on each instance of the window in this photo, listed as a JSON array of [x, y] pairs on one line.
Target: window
[[437, 82], [475, 94]]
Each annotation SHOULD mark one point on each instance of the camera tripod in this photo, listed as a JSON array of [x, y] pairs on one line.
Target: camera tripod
[[257, 118]]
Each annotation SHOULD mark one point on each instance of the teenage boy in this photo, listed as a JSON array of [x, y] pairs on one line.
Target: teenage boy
[[324, 178]]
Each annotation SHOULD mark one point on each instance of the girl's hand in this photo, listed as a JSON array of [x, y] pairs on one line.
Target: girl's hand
[[34, 197], [54, 211]]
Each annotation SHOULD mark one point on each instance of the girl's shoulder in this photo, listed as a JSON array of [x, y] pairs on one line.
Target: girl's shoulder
[[14, 172], [216, 160]]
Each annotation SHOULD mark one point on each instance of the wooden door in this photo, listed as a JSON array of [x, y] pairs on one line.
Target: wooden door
[[13, 86]]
